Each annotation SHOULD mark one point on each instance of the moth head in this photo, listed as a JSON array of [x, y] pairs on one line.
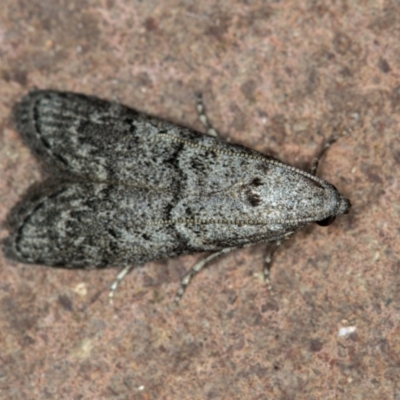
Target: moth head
[[344, 208]]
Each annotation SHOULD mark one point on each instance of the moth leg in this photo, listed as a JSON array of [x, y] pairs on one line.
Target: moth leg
[[195, 270], [203, 117], [114, 285], [268, 259], [314, 165], [268, 264]]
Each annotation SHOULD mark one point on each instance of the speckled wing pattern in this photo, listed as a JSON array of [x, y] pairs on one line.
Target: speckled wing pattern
[[127, 188]]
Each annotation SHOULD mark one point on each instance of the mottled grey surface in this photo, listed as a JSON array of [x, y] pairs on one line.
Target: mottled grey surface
[[126, 188]]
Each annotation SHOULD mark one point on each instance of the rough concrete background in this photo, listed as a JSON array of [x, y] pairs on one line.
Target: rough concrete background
[[277, 76]]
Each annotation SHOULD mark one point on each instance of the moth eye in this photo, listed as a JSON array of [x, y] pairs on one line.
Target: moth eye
[[327, 221]]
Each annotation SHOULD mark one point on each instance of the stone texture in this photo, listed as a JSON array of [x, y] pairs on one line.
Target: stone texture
[[278, 77]]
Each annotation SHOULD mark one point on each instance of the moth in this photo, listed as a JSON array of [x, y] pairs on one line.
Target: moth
[[126, 188]]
